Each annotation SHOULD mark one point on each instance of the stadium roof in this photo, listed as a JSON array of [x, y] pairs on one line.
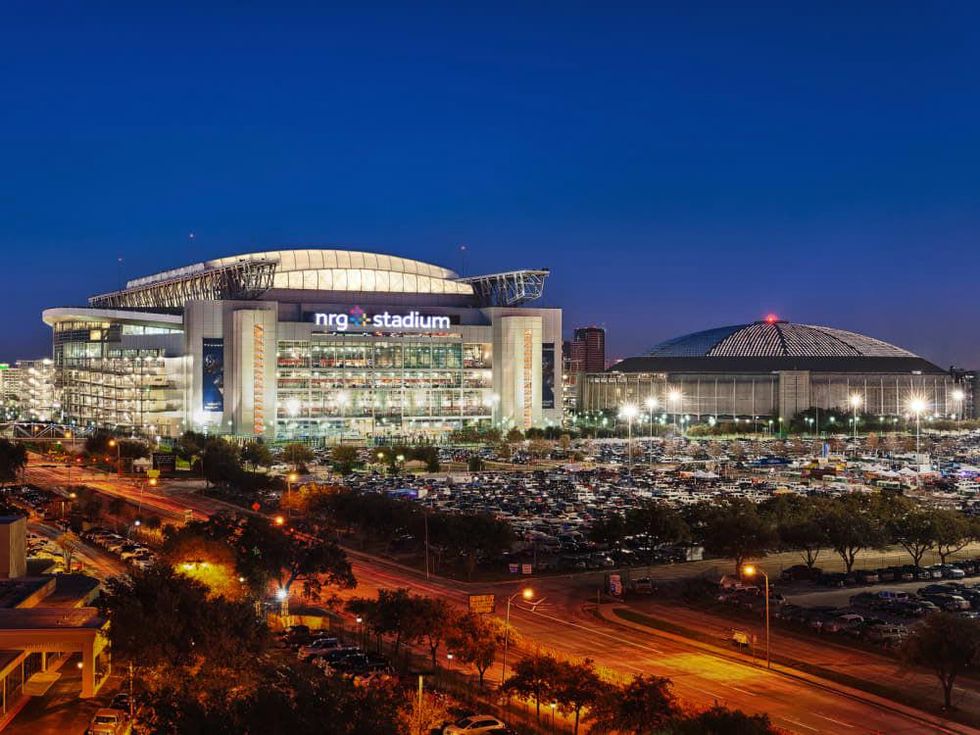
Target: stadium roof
[[251, 275], [773, 344]]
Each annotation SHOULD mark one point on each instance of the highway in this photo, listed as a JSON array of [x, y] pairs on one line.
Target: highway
[[565, 622]]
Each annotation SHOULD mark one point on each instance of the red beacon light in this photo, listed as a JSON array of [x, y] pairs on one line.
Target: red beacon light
[[771, 318]]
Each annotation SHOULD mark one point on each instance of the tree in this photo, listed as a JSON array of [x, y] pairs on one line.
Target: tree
[[471, 536], [643, 707], [513, 436], [855, 522], [474, 640], [344, 457], [947, 644], [13, 459], [535, 676], [97, 443], [720, 720], [256, 454], [391, 613], [67, 543], [915, 532], [429, 623], [162, 619], [297, 454], [799, 524], [734, 529], [578, 686], [265, 553], [954, 532], [282, 699], [221, 462], [661, 523]]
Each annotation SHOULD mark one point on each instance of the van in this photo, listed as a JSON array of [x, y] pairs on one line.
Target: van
[[893, 595]]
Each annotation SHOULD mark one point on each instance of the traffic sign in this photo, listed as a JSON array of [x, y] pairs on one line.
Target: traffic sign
[[483, 604]]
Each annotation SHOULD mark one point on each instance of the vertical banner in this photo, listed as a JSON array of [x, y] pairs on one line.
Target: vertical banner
[[548, 375], [258, 379], [528, 375], [213, 374]]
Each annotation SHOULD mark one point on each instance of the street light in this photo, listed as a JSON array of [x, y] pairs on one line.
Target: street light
[[917, 404], [750, 570], [673, 398], [651, 403], [629, 412], [856, 401], [958, 397], [527, 594], [114, 443]]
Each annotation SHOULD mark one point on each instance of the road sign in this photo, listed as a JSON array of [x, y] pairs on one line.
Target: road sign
[[483, 604], [153, 474], [615, 585], [526, 569]]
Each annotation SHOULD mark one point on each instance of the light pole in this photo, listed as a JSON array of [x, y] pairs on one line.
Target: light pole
[[856, 402], [114, 443], [629, 412], [651, 403], [673, 398], [527, 593], [750, 570], [290, 479], [917, 405], [958, 398]]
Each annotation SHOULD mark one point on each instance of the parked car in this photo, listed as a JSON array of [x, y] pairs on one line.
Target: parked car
[[866, 576], [108, 721], [474, 725], [319, 646]]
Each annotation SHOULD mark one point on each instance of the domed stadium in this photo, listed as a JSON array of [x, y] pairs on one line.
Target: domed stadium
[[777, 338], [778, 368]]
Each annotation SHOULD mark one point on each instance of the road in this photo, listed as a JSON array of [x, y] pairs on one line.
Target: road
[[565, 623]]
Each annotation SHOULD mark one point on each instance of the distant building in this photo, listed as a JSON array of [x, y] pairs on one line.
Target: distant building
[[28, 390], [588, 349], [773, 368]]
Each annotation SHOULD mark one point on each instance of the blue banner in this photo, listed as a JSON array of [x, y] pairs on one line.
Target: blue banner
[[548, 375], [213, 375]]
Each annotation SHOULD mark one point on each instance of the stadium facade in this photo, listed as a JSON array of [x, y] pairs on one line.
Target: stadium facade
[[773, 368], [311, 344]]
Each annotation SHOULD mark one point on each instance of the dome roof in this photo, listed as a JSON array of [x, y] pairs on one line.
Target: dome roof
[[776, 338]]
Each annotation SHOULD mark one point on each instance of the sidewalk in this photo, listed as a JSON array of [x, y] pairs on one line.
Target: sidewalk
[[608, 613]]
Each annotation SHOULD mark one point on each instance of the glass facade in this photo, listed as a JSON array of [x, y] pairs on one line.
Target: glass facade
[[106, 381], [335, 383]]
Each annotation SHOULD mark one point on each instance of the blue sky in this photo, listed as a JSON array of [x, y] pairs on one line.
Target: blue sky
[[678, 166]]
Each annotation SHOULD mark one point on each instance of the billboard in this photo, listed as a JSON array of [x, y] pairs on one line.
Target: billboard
[[548, 375], [483, 604], [213, 374]]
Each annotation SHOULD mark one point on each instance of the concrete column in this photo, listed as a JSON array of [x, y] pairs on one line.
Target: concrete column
[[88, 669]]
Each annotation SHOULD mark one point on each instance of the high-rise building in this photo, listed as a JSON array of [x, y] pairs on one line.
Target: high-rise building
[[588, 349]]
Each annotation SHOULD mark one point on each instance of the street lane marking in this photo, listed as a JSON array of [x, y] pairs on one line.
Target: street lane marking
[[800, 724], [831, 719]]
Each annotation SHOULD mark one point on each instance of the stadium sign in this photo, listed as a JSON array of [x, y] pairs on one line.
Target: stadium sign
[[356, 318]]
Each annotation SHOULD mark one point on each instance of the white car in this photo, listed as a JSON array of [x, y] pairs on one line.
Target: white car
[[473, 725], [319, 646], [108, 721]]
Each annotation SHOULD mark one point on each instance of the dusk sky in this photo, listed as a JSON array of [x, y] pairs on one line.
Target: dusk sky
[[678, 166]]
